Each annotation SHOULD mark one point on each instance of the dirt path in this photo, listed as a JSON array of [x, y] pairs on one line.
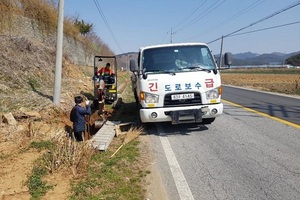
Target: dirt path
[[153, 182]]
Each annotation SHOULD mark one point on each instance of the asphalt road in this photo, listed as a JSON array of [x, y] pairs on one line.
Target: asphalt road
[[242, 155], [282, 106]]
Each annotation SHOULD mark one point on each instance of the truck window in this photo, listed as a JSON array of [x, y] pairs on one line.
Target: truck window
[[177, 58], [207, 58]]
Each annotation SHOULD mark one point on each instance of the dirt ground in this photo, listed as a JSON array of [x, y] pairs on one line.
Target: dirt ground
[[153, 182], [16, 161]]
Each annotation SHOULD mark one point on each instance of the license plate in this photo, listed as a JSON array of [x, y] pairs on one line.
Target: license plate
[[182, 96]]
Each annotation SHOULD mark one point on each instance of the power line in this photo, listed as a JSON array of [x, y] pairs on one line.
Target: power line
[[261, 20], [231, 18], [191, 13], [106, 23], [268, 28], [209, 10], [182, 21], [164, 37]]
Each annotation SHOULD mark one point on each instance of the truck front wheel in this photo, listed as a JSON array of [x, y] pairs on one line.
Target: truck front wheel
[[136, 99], [208, 120], [139, 121]]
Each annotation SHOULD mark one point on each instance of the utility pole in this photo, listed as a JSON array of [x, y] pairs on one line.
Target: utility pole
[[59, 47], [172, 33], [221, 51]]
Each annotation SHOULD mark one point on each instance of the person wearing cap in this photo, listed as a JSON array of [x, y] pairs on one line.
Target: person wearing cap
[[105, 71], [77, 116], [105, 76]]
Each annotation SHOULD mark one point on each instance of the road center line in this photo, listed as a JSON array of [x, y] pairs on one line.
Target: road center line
[[180, 181]]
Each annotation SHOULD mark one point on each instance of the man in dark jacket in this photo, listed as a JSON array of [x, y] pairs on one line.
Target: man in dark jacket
[[77, 117]]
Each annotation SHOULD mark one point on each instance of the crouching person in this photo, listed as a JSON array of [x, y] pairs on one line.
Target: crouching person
[[77, 116]]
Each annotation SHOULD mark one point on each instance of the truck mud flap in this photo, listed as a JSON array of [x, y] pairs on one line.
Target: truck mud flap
[[196, 113]]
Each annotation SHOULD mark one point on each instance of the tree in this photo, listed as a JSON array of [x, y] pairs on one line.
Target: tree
[[293, 60], [84, 28]]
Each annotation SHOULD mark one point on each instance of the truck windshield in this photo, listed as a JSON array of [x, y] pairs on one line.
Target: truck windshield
[[177, 58]]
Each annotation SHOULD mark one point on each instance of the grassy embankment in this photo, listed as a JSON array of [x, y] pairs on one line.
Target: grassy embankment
[[97, 175]]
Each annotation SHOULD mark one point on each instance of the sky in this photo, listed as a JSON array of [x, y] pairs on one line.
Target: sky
[[266, 26]]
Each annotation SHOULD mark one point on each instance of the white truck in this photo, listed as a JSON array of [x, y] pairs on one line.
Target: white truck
[[177, 83]]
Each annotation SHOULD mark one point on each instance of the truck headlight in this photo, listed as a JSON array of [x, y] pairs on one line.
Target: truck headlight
[[149, 98], [212, 94]]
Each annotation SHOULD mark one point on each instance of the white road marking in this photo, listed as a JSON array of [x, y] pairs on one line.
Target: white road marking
[[180, 181]]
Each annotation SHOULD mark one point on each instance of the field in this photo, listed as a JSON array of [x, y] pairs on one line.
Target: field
[[281, 80]]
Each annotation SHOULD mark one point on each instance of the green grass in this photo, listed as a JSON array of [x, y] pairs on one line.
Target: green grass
[[37, 187], [112, 178], [33, 83], [42, 145]]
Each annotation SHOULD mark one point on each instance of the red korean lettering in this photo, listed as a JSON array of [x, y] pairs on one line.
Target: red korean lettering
[[209, 83], [153, 87]]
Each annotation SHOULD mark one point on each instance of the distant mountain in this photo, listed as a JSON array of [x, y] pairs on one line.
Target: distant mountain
[[245, 55], [278, 54], [249, 58]]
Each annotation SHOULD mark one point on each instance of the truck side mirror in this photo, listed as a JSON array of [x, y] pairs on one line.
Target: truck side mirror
[[133, 65], [228, 59]]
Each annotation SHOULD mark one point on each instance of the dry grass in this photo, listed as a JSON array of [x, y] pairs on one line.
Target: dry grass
[[44, 14], [131, 135], [67, 153], [8, 8]]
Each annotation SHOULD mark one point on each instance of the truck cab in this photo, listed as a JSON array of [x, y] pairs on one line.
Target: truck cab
[[177, 83]]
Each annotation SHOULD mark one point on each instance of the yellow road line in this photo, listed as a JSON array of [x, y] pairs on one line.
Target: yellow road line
[[263, 114]]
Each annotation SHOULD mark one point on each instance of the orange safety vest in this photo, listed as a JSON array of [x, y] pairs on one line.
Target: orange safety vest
[[104, 71]]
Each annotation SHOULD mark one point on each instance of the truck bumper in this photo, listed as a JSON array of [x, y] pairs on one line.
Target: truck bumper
[[177, 115]]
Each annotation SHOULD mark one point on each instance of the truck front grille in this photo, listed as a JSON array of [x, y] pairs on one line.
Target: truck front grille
[[168, 102]]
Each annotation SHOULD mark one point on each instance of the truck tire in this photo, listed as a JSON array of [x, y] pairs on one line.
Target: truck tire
[[139, 121], [208, 120], [136, 99]]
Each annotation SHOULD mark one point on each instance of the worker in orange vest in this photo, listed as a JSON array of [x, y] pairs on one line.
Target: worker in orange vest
[[106, 76]]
